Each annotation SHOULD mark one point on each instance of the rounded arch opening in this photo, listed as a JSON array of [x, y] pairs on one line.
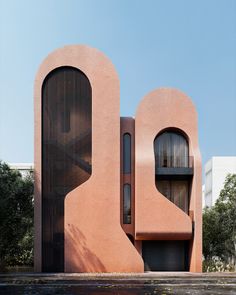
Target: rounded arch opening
[[171, 149], [66, 153]]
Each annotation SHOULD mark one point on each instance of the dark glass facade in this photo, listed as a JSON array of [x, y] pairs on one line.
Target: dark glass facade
[[176, 191], [172, 151], [66, 153]]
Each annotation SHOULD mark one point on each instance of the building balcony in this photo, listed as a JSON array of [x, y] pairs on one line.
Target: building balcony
[[174, 167]]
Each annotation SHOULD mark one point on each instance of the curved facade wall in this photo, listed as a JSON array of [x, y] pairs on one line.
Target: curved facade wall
[[93, 238], [160, 110], [110, 197]]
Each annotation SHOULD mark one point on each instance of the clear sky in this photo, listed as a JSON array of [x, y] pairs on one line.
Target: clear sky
[[186, 44]]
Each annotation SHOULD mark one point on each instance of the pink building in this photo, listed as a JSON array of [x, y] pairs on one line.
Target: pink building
[[113, 194]]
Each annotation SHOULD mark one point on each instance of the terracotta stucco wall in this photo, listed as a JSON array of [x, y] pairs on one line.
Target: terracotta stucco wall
[[94, 239], [155, 216]]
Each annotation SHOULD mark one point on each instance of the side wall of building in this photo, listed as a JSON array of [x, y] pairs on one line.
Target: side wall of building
[[216, 170]]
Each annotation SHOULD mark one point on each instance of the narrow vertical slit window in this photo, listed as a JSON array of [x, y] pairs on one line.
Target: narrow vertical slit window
[[127, 204], [126, 153]]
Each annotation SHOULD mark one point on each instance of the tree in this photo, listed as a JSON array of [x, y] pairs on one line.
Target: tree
[[219, 225], [16, 217], [226, 208]]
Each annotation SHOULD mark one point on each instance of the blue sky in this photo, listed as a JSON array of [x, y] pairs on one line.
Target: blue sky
[[186, 44]]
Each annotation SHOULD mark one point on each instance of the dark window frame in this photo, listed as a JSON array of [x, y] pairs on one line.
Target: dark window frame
[[127, 204], [171, 156], [167, 167], [127, 153], [171, 186]]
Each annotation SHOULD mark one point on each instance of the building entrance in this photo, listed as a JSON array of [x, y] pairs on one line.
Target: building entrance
[[165, 255]]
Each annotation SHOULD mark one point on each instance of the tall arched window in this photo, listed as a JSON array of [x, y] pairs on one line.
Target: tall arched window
[[171, 150], [66, 153]]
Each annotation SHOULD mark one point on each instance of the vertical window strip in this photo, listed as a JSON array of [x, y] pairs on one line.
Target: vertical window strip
[[126, 153], [127, 203]]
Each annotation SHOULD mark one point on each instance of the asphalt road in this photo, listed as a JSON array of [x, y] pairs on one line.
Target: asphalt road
[[122, 284]]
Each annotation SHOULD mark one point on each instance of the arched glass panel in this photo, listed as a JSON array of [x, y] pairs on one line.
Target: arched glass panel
[[127, 203], [171, 150], [126, 153], [66, 153]]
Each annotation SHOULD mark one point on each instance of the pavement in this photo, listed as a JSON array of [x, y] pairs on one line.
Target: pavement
[[158, 283]]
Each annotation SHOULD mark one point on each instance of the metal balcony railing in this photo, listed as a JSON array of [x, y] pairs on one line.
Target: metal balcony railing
[[174, 165]]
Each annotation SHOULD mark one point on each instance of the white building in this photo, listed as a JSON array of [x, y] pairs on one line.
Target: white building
[[203, 195], [216, 170], [23, 168]]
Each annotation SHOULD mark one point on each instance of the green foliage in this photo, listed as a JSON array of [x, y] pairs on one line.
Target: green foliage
[[219, 227], [16, 218], [215, 264]]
